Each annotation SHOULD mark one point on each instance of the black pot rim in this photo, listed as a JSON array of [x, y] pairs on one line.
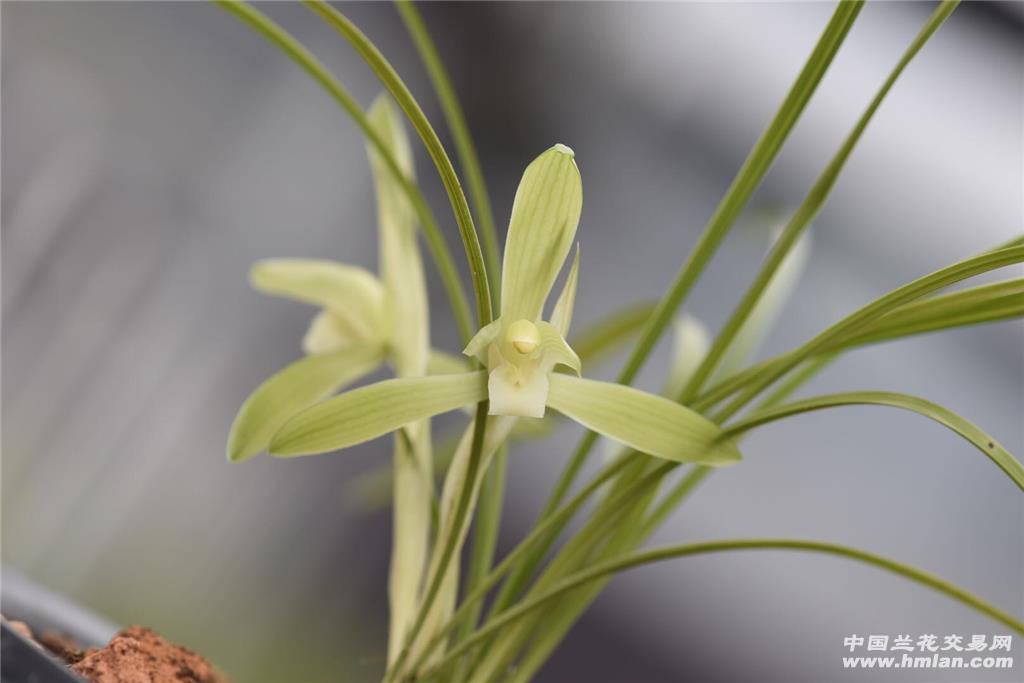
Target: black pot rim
[[42, 609]]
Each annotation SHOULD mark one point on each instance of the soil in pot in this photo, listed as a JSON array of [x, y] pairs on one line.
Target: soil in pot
[[134, 655]]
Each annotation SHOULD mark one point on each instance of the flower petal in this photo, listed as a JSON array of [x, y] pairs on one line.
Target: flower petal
[[401, 268], [555, 350], [646, 422], [353, 293], [371, 411], [561, 314], [482, 340], [765, 313], [545, 214], [327, 332], [690, 344], [517, 392], [292, 390]]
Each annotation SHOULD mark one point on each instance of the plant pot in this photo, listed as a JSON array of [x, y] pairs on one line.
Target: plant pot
[[44, 611], [89, 645]]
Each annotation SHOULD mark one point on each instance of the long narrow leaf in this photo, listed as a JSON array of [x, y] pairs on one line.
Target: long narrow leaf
[[742, 188], [965, 428], [754, 380], [617, 565], [460, 134], [808, 209], [602, 338], [304, 58], [972, 306], [449, 178]]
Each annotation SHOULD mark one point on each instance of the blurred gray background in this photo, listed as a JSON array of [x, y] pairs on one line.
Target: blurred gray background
[[152, 151]]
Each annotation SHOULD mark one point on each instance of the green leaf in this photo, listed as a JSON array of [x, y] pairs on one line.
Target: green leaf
[[596, 342], [319, 73], [372, 411], [619, 564], [561, 315], [355, 294], [449, 178], [651, 424], [972, 306], [460, 134], [811, 205], [752, 381], [292, 390], [545, 214], [747, 180], [968, 430]]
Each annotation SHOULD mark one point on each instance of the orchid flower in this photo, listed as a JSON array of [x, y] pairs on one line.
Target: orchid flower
[[520, 352], [363, 322]]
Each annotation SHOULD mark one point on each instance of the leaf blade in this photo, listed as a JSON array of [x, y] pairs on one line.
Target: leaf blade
[[615, 565], [962, 426]]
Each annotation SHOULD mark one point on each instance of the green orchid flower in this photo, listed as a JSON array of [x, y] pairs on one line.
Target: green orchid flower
[[363, 322], [520, 352]]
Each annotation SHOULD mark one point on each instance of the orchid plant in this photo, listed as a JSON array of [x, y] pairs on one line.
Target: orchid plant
[[520, 362]]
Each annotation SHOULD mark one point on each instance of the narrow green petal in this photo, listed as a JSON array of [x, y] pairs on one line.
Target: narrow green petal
[[545, 214], [388, 125], [555, 350], [401, 267], [561, 315], [643, 421], [372, 411], [766, 311], [477, 346], [292, 390], [353, 293], [690, 343]]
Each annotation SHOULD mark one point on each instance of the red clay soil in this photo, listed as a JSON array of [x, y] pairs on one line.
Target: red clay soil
[[138, 655], [135, 655]]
